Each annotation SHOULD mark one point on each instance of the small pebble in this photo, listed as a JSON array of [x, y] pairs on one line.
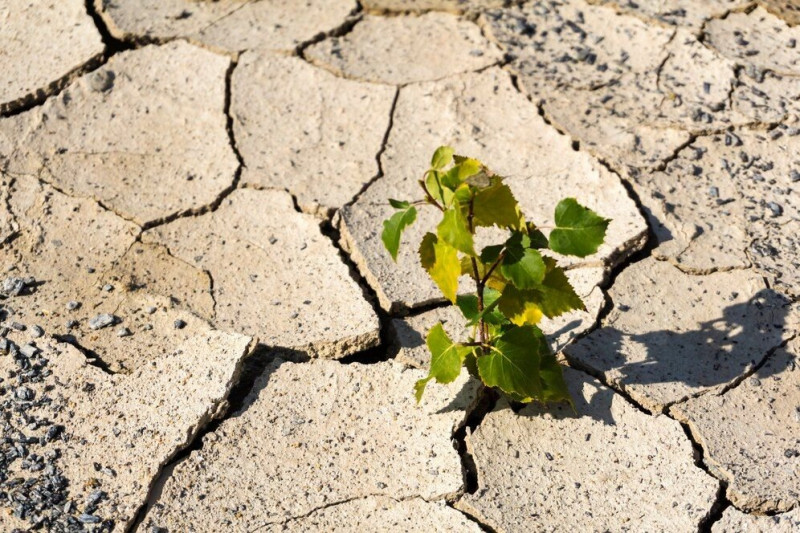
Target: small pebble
[[101, 80], [13, 286], [776, 209], [108, 287], [72, 324], [72, 305], [36, 332], [713, 192], [179, 324], [794, 175], [24, 394], [123, 332], [150, 310], [755, 382], [29, 350], [102, 321], [89, 519]]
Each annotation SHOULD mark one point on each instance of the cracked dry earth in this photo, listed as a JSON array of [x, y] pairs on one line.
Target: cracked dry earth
[[200, 329]]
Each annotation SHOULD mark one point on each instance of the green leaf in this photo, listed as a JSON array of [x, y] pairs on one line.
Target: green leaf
[[513, 363], [490, 315], [490, 254], [496, 206], [441, 262], [536, 237], [463, 194], [441, 157], [454, 231], [579, 231], [551, 298], [557, 296], [468, 304], [450, 179], [419, 388], [394, 226], [446, 359], [399, 204], [438, 192], [468, 167], [446, 355], [524, 267], [520, 306], [471, 364], [554, 388]]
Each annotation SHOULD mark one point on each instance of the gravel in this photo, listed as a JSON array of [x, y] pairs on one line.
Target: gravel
[[37, 492]]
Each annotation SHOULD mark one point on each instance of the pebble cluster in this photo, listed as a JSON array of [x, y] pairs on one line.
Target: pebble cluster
[[31, 483]]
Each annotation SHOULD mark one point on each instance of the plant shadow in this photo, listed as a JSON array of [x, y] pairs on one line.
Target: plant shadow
[[670, 363]]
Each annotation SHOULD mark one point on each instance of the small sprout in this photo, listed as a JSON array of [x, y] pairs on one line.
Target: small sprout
[[517, 282]]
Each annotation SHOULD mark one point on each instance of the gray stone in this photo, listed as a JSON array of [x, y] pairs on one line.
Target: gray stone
[[29, 350], [12, 286], [232, 245], [379, 49], [757, 38], [603, 467], [226, 25], [378, 513], [333, 433], [749, 435], [103, 321], [735, 521], [114, 433], [326, 153], [153, 146], [483, 116], [34, 63], [672, 336]]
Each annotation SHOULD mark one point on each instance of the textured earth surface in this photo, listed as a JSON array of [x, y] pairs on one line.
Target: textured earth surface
[[200, 330]]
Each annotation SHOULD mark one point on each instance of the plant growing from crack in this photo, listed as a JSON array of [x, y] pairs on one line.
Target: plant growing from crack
[[516, 282]]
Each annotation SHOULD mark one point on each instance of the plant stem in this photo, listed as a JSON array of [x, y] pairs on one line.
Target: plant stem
[[429, 197], [497, 261], [478, 281]]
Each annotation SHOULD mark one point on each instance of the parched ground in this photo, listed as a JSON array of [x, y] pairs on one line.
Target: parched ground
[[200, 329]]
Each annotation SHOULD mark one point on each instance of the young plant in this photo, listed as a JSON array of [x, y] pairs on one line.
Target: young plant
[[516, 282]]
